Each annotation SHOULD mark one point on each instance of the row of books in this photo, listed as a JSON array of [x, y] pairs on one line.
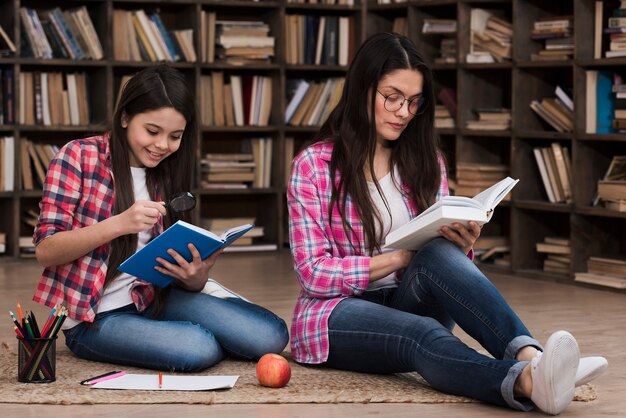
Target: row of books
[[53, 99], [491, 37], [610, 29], [249, 168], [138, 36], [557, 111], [555, 169], [605, 102], [327, 40], [59, 34], [557, 35], [557, 252], [243, 42], [310, 102], [609, 270], [448, 45], [473, 178], [491, 119], [235, 100]]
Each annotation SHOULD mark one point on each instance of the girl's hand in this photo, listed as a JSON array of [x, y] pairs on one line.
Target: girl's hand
[[463, 237], [190, 275], [141, 216]]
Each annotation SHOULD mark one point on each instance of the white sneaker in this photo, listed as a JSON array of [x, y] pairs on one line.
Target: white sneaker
[[554, 373], [214, 288], [589, 368]]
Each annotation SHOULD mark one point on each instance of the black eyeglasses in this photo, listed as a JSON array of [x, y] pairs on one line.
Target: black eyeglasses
[[395, 101]]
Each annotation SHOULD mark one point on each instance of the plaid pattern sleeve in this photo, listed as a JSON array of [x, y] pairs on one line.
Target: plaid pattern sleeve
[[78, 192], [326, 265]]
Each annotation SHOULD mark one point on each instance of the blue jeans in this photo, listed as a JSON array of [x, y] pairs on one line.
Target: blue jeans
[[194, 331], [410, 329]]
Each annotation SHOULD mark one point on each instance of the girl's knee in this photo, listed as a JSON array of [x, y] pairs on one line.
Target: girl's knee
[[197, 352], [271, 337]]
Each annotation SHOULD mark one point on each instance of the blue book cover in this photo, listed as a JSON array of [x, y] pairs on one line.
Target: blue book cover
[[142, 263], [605, 103]]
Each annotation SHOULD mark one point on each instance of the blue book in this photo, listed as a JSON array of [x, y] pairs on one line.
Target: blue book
[[605, 103], [142, 263]]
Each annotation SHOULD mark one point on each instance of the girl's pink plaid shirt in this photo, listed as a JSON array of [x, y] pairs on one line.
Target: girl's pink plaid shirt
[[328, 268]]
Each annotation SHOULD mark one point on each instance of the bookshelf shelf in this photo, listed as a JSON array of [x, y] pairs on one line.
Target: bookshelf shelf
[[511, 84]]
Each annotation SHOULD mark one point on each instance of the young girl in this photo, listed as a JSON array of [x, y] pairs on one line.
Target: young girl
[[103, 200], [371, 310]]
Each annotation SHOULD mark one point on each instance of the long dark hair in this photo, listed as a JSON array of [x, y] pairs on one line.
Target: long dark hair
[[151, 89], [414, 154]]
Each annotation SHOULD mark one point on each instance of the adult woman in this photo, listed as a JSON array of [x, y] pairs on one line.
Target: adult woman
[[364, 309], [103, 200]]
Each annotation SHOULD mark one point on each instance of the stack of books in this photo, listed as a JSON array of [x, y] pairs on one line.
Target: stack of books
[[491, 119], [619, 116], [492, 249], [607, 271], [227, 170], [558, 254], [3, 242], [243, 42], [491, 37], [557, 33], [447, 97], [616, 28], [557, 112], [612, 187], [54, 33], [310, 102], [138, 36], [443, 118], [554, 165], [447, 28], [473, 178], [26, 246]]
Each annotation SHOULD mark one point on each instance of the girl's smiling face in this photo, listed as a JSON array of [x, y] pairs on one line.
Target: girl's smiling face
[[154, 135]]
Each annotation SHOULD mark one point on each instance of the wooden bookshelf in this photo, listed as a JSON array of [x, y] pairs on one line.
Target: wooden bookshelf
[[512, 83]]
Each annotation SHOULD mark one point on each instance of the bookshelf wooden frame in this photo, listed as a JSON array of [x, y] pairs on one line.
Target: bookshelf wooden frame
[[528, 217]]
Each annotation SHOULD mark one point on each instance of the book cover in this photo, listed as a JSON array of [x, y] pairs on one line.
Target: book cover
[[448, 210], [142, 263]]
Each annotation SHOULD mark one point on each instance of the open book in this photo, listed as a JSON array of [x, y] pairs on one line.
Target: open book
[[446, 211], [141, 264]]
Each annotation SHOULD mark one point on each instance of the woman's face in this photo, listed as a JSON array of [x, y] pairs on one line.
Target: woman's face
[[154, 135], [406, 83]]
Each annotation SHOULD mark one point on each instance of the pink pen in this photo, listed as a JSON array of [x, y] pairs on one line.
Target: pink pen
[[99, 379]]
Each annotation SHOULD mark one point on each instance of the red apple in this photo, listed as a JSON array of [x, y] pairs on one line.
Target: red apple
[[273, 371]]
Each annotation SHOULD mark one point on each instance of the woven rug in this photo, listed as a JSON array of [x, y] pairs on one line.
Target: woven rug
[[307, 385]]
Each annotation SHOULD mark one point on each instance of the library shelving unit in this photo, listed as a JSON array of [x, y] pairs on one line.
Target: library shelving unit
[[527, 218]]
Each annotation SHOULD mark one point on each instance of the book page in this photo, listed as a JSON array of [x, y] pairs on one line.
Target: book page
[[200, 230], [491, 197], [234, 231]]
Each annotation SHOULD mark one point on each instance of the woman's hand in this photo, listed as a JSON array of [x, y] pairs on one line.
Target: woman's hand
[[190, 275], [463, 237], [141, 216]]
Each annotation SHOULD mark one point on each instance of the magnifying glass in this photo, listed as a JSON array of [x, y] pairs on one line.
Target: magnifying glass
[[182, 202]]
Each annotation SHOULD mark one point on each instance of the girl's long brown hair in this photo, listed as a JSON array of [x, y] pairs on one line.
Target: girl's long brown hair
[[415, 154], [150, 89]]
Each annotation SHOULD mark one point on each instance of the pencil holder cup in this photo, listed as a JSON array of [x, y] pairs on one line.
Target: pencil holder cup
[[36, 360]]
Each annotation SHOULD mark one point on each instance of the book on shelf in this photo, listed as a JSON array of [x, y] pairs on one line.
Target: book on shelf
[[6, 44], [610, 265], [178, 236], [490, 36], [556, 33], [7, 169], [448, 210], [490, 119]]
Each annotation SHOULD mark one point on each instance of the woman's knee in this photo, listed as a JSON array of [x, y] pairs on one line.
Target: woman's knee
[[198, 350], [270, 336]]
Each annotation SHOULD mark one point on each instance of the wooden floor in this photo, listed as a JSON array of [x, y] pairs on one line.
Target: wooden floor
[[596, 318]]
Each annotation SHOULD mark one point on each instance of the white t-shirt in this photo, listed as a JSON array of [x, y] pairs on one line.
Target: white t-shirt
[[391, 221], [117, 293]]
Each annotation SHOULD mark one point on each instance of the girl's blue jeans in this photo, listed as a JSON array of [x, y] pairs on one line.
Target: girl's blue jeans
[[409, 328], [194, 331]]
